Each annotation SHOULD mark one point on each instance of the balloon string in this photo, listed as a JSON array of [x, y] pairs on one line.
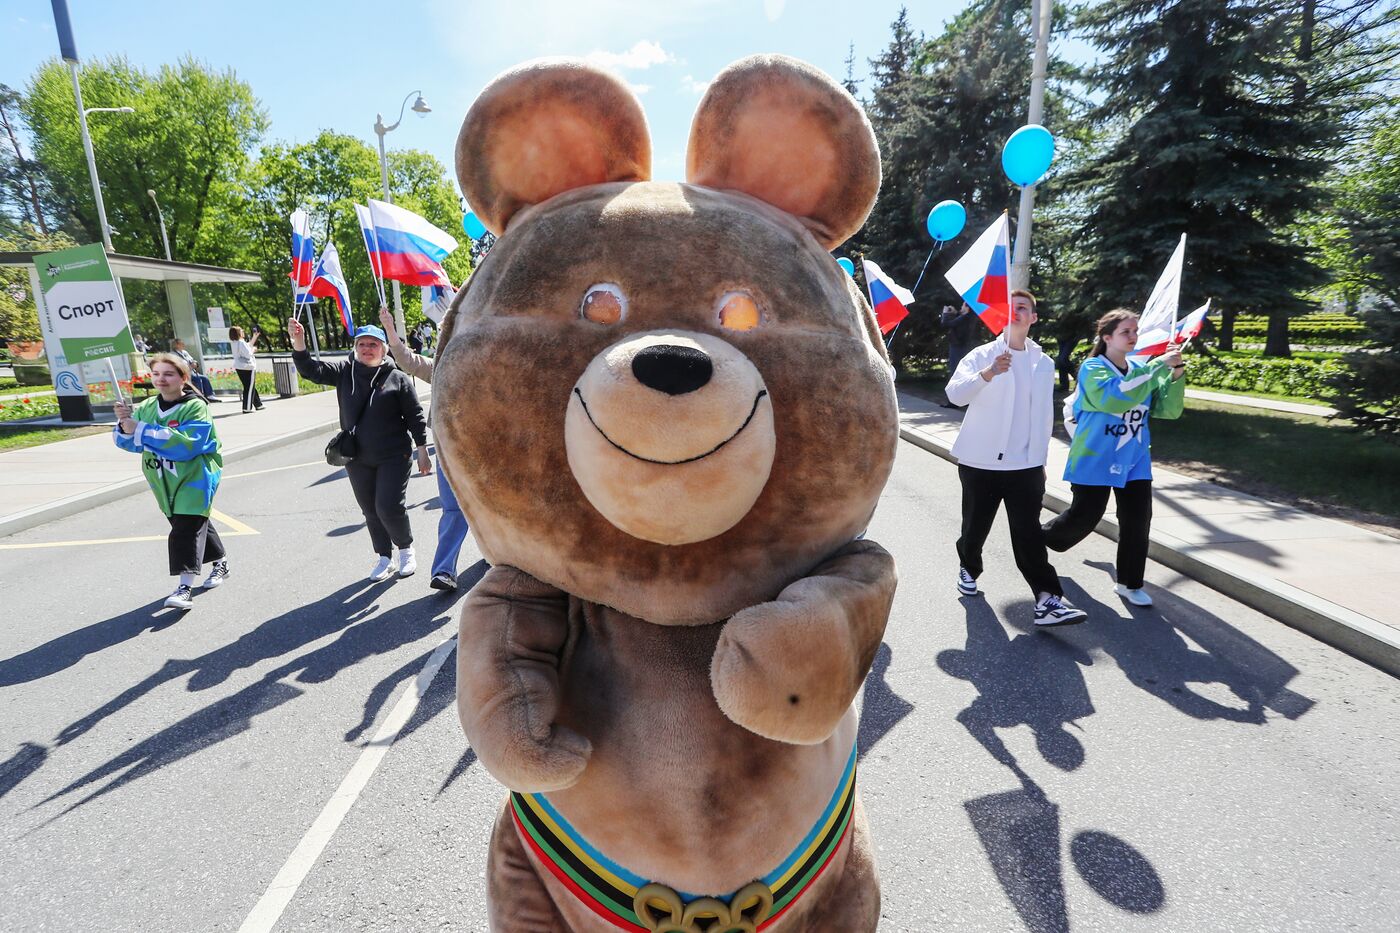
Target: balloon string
[[915, 289]]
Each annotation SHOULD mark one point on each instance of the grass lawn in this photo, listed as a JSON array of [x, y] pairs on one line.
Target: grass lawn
[[1300, 458], [16, 436]]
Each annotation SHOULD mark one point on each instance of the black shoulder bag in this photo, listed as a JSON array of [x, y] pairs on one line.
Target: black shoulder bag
[[343, 447]]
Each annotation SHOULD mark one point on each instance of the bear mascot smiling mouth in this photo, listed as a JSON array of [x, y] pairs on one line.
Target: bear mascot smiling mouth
[[668, 415]]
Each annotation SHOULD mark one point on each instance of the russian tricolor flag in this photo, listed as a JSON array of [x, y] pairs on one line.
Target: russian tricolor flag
[[1190, 326], [437, 299], [329, 282], [981, 275], [405, 247], [303, 250], [887, 298]]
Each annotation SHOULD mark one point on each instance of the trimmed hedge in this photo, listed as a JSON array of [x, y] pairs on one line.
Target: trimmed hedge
[[1292, 377], [1323, 328]]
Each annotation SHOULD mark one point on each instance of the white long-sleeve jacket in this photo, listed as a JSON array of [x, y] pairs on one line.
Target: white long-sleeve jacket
[[983, 437]]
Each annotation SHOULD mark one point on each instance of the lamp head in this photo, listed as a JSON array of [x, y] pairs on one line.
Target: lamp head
[[421, 106], [151, 192]]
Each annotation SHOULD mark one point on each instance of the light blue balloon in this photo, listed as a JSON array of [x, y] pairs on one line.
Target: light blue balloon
[[846, 264], [1028, 154], [946, 220], [472, 226]]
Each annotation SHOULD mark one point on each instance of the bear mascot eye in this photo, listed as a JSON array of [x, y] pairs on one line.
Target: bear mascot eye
[[603, 303], [738, 311]]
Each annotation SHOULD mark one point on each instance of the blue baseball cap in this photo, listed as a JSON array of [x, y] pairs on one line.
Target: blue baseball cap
[[369, 330]]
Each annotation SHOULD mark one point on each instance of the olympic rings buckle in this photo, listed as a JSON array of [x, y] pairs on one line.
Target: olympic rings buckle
[[661, 910]]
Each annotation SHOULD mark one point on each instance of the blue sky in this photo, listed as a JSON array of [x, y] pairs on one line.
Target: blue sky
[[334, 65]]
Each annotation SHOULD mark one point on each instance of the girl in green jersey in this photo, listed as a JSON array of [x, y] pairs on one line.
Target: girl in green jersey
[[180, 457]]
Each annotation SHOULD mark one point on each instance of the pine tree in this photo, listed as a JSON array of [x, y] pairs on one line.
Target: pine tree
[[941, 110], [1213, 141]]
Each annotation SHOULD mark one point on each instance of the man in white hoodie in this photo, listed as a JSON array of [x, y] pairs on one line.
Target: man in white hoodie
[[1008, 387]]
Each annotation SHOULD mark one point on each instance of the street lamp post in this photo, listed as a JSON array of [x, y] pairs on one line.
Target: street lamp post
[[1040, 29], [91, 159], [420, 106], [161, 215]]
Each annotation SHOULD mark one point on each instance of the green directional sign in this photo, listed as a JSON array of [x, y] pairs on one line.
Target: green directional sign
[[83, 307]]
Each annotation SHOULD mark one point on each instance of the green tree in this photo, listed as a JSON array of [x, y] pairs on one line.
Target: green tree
[[1368, 390], [327, 177], [189, 140], [942, 109], [21, 205], [1211, 138]]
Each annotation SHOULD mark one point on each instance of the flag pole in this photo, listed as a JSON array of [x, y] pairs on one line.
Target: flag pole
[[374, 269]]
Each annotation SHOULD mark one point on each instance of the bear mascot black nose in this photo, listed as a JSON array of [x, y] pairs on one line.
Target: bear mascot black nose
[[672, 369]]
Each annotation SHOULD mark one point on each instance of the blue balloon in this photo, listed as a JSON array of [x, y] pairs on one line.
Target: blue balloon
[[946, 220], [1028, 154], [472, 226], [846, 264]]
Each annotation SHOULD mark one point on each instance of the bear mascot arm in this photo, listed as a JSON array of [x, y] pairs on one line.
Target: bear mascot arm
[[513, 634], [789, 669]]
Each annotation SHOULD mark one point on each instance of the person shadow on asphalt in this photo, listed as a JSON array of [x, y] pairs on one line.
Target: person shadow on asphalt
[[1167, 649], [1029, 680]]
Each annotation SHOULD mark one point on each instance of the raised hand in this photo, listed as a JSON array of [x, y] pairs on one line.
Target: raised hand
[[297, 333], [998, 366]]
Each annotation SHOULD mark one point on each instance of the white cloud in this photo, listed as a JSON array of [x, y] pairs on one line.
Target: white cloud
[[639, 89], [773, 9], [638, 58], [691, 86]]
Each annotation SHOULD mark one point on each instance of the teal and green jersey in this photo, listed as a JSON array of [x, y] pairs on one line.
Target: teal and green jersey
[[179, 454], [1112, 445]]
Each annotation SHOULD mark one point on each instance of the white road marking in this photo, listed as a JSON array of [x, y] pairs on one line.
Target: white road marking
[[292, 466], [279, 894]]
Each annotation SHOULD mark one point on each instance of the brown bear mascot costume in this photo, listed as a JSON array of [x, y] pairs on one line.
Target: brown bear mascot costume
[[668, 415]]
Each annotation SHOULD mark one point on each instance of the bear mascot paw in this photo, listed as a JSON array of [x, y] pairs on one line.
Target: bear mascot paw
[[668, 415]]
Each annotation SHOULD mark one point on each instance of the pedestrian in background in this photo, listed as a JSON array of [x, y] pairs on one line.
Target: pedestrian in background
[[1112, 449], [1008, 386], [182, 464], [197, 379], [962, 333], [379, 408], [452, 524], [245, 364]]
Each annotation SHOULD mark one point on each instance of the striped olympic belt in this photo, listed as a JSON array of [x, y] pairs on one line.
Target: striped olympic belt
[[632, 903]]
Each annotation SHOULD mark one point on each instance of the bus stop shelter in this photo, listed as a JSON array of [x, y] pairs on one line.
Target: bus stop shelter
[[178, 279]]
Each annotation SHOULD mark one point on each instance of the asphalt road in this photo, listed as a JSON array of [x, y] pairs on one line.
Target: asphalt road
[[1194, 767]]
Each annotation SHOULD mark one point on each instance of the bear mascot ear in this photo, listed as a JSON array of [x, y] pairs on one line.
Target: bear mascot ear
[[782, 131], [544, 128]]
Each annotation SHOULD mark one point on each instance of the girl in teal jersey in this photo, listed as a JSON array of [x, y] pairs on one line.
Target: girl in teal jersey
[[1112, 449], [180, 457]]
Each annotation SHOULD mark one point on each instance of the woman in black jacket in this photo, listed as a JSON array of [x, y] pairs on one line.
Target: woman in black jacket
[[379, 405]]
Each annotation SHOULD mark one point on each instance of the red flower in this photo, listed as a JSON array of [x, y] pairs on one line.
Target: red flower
[[26, 400]]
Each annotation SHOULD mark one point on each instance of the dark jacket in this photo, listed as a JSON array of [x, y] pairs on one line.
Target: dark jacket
[[961, 328], [391, 415]]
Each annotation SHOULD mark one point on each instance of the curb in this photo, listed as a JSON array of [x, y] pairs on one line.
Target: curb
[[72, 505], [1351, 632]]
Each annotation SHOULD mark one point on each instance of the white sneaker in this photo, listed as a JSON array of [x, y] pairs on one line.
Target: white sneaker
[[967, 584], [381, 569], [216, 576], [1056, 610], [1137, 597], [407, 563], [181, 599]]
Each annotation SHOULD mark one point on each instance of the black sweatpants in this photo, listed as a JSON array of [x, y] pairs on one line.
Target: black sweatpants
[[193, 543], [983, 492], [251, 399], [1134, 507], [381, 490]]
